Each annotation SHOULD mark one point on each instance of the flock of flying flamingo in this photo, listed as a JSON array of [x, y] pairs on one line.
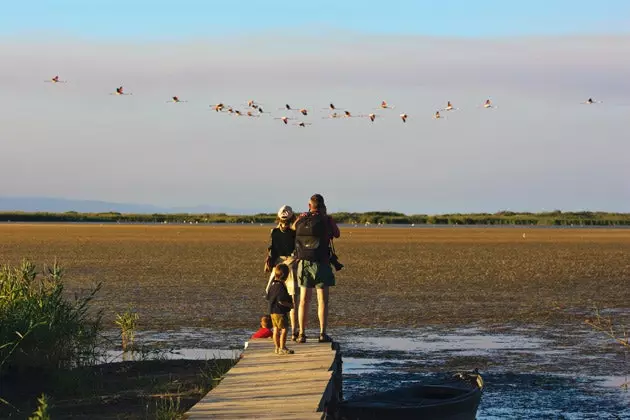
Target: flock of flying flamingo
[[255, 109]]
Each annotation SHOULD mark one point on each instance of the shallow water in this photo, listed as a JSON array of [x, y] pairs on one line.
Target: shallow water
[[529, 372]]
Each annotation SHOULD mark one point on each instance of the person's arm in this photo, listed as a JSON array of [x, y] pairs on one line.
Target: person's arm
[[271, 259], [284, 299], [334, 229], [295, 222]]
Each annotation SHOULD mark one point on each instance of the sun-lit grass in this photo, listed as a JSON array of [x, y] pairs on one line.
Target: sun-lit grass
[[211, 276]]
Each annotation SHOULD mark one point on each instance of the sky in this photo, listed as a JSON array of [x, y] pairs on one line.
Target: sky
[[538, 149]]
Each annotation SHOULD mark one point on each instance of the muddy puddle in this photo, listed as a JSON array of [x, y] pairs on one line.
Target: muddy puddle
[[529, 372]]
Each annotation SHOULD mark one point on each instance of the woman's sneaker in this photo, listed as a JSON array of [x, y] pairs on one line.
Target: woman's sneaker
[[286, 351], [325, 338], [301, 339]]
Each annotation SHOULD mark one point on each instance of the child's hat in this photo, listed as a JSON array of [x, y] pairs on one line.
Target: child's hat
[[285, 213]]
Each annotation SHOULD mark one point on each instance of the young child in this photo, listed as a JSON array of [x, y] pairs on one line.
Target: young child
[[279, 305], [265, 328], [280, 250]]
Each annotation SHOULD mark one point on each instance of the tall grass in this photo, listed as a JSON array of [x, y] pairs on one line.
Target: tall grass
[[127, 322], [40, 328]]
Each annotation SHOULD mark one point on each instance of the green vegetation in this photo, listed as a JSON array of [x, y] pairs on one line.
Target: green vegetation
[[42, 412], [554, 218], [127, 322], [40, 330]]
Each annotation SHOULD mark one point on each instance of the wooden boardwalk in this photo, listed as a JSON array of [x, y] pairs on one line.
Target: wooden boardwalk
[[266, 385]]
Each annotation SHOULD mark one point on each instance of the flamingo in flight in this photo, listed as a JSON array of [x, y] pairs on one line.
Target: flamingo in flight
[[449, 107], [176, 100], [55, 80], [347, 114], [488, 104], [120, 91], [437, 115], [404, 117], [385, 105], [251, 114], [218, 107], [333, 108], [332, 116], [285, 120], [302, 124], [303, 111], [590, 101], [372, 117]]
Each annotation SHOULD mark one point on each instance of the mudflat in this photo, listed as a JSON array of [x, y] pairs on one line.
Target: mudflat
[[212, 275]]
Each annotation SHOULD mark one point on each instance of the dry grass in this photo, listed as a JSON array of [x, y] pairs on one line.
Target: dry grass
[[212, 275]]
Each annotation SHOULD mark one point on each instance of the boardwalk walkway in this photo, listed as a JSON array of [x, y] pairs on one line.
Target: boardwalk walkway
[[265, 385]]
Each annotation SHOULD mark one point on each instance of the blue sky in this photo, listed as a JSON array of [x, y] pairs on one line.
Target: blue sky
[[540, 148], [185, 18]]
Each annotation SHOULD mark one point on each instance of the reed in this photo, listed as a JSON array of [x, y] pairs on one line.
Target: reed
[[127, 322], [40, 329]]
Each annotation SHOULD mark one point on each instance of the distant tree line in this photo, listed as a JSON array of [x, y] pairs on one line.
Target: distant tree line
[[554, 218]]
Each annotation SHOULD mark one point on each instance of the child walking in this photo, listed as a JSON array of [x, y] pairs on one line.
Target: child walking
[[280, 250], [279, 305]]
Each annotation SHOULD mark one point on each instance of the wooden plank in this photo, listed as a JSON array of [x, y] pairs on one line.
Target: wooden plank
[[266, 385]]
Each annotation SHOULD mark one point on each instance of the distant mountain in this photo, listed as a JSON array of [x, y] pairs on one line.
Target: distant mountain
[[61, 205]]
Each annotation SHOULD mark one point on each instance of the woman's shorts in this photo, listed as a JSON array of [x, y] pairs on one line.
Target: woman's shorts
[[292, 287], [313, 274], [280, 321]]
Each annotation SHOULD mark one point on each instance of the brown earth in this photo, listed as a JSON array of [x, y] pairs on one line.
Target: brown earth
[[125, 390], [211, 276]]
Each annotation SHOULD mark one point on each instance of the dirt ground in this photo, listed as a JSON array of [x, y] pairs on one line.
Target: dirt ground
[[212, 276], [124, 390]]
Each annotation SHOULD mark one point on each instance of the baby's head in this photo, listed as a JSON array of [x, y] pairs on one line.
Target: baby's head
[[265, 321], [281, 272]]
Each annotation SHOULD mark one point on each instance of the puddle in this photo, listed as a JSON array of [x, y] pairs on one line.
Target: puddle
[[560, 372]]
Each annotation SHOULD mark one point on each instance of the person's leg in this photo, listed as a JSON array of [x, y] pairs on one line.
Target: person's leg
[[305, 301], [295, 325], [283, 338], [276, 339], [322, 308]]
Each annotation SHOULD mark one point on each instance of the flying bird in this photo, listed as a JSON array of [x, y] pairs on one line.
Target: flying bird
[[332, 116], [372, 117], [176, 100], [218, 107], [302, 124], [590, 101], [437, 115], [403, 117], [488, 104], [449, 107], [285, 120], [120, 91], [303, 111], [55, 80], [332, 107], [385, 105]]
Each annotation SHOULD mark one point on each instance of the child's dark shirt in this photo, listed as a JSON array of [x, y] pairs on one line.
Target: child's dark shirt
[[278, 293]]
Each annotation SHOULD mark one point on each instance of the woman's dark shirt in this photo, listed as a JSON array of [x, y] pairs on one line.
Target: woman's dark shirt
[[282, 243]]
